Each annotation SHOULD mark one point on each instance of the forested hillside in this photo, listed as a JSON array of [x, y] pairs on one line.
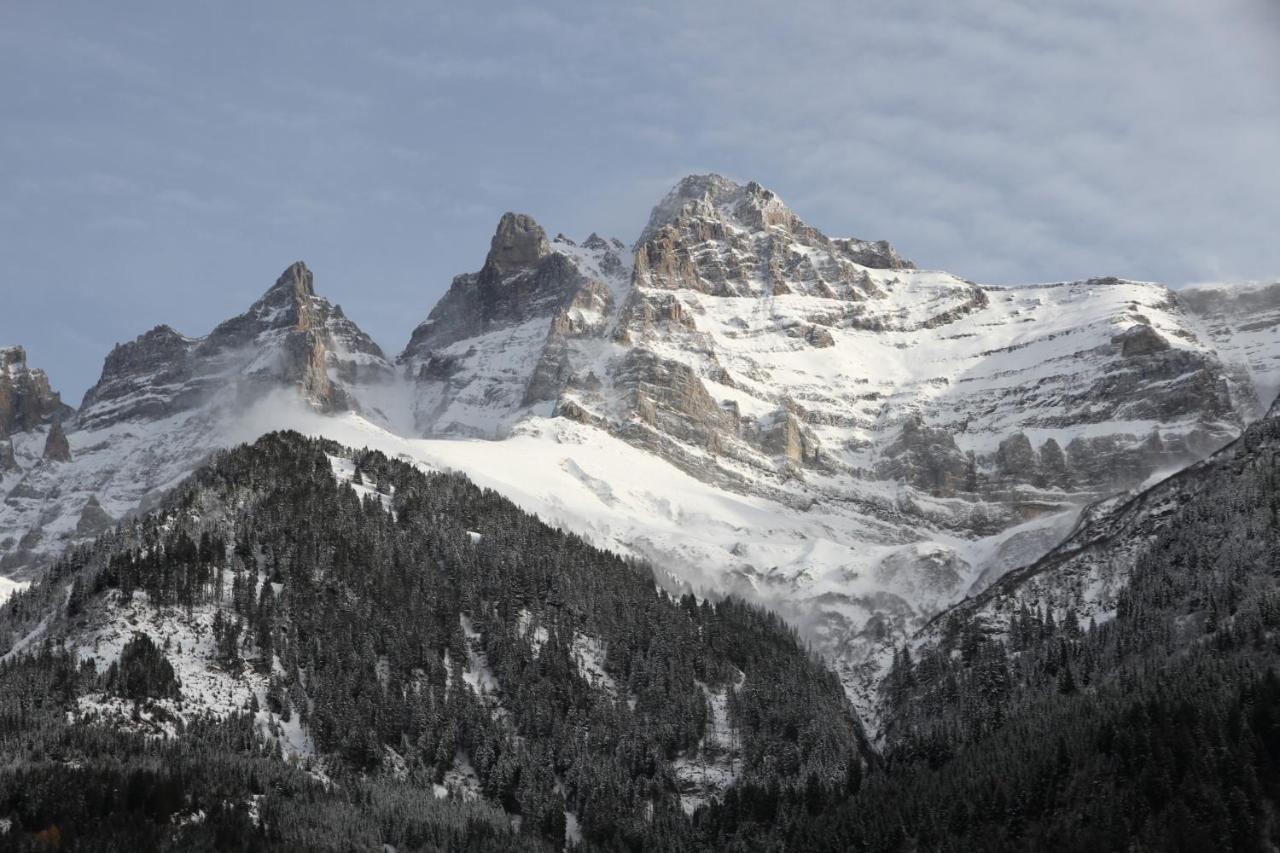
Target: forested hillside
[[431, 663], [413, 661]]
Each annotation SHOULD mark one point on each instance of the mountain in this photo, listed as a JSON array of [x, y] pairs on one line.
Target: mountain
[[864, 442], [1088, 575], [1030, 530], [288, 338], [495, 346], [163, 401], [433, 662], [812, 423]]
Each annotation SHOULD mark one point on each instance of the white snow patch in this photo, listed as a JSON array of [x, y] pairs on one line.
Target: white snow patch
[[589, 655], [718, 762], [478, 676]]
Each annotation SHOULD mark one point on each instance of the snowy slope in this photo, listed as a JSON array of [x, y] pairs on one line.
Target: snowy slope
[[1243, 321]]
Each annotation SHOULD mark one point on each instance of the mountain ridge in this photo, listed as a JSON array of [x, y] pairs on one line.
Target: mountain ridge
[[858, 442]]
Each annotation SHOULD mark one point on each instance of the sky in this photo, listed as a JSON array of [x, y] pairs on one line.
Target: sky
[[164, 162]]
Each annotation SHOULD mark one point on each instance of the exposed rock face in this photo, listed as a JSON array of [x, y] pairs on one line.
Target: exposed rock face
[[519, 243], [1053, 465], [1140, 339], [501, 339], [827, 375], [8, 459], [521, 279], [1016, 459], [707, 198], [927, 458], [761, 248], [56, 446], [145, 378], [93, 518], [290, 338], [669, 396], [26, 399], [786, 436]]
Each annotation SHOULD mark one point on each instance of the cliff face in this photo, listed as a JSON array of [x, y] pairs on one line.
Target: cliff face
[[497, 345], [27, 401]]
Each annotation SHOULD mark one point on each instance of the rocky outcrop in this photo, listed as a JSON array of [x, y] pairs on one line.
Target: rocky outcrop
[[56, 446], [1016, 459], [26, 399], [1053, 466], [713, 236], [700, 202], [670, 397], [521, 280], [8, 459], [304, 338], [502, 340], [517, 245], [1140, 340], [93, 518], [927, 458], [146, 378]]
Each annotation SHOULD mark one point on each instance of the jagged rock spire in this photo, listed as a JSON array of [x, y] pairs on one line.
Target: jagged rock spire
[[56, 446], [296, 279], [26, 398], [518, 243]]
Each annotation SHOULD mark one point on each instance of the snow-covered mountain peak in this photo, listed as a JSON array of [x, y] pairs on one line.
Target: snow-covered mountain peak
[[290, 337], [712, 207], [163, 401], [518, 244], [493, 349], [710, 190], [756, 407]]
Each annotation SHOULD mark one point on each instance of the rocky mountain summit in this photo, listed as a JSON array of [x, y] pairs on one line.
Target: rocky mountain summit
[[288, 338], [26, 399], [811, 422], [163, 401], [496, 343], [920, 434]]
